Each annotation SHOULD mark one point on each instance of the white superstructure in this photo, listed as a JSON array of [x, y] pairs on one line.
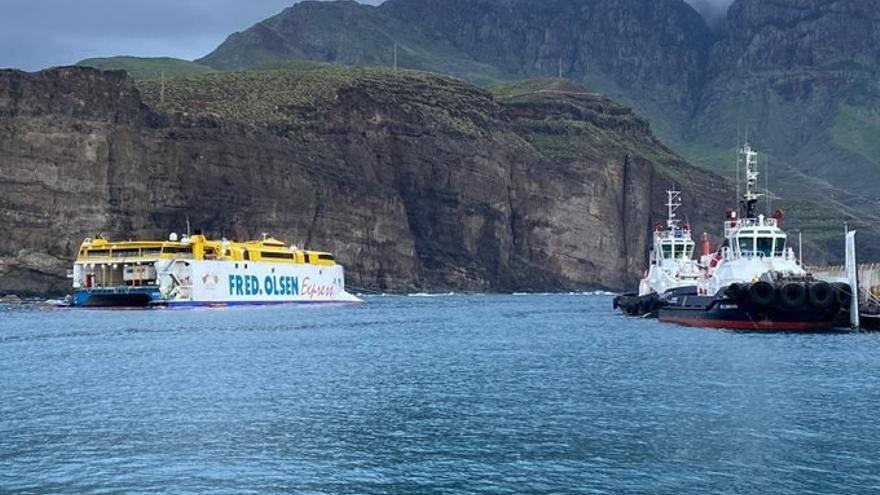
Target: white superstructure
[[671, 261], [754, 246]]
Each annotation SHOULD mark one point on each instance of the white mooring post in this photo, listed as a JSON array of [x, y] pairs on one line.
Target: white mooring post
[[852, 275]]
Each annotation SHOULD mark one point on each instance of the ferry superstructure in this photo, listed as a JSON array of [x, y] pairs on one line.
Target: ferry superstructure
[[196, 271]]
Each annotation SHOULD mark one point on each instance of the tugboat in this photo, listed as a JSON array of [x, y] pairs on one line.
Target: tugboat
[[754, 281], [671, 263], [197, 271]]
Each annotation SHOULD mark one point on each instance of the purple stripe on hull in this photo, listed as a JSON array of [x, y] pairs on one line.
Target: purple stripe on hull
[[196, 304]]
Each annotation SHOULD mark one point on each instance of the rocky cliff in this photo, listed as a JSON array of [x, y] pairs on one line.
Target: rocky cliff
[[800, 75], [418, 182]]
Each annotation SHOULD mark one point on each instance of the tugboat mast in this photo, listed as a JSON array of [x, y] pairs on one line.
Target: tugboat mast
[[751, 196], [673, 203]]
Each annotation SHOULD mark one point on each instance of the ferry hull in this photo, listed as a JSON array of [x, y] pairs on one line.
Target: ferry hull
[[221, 283], [152, 299], [115, 297], [712, 312]]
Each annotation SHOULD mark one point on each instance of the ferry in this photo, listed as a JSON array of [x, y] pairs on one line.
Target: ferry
[[194, 271], [671, 263], [754, 281]]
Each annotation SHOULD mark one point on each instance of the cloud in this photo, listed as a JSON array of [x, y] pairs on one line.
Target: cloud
[[712, 10]]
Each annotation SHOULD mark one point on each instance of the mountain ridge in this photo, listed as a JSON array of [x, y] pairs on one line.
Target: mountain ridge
[[799, 74]]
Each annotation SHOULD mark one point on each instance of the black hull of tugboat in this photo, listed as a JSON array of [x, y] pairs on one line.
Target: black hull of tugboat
[[730, 315], [635, 305], [742, 313]]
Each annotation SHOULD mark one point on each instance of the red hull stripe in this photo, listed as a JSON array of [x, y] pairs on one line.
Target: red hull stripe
[[750, 325]]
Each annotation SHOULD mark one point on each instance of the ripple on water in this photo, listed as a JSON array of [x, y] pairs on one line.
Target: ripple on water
[[454, 394]]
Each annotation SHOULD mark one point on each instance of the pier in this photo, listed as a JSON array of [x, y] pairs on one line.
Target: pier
[[869, 279]]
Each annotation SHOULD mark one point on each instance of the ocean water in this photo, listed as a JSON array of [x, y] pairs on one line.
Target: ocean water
[[423, 395]]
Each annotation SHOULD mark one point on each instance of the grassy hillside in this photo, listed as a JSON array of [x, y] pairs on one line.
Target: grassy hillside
[[358, 34], [297, 93], [147, 68]]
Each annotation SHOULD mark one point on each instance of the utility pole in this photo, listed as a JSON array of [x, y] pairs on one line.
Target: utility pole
[[162, 89], [560, 67], [395, 57]]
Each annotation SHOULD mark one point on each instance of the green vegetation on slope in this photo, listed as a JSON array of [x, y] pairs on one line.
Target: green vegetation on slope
[[295, 96], [858, 129], [360, 35], [147, 68]]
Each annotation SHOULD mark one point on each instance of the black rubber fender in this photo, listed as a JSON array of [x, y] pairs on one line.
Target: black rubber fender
[[821, 295], [762, 293], [843, 294], [793, 295], [734, 291]]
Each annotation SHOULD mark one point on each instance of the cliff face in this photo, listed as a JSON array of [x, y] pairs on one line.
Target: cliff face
[[801, 75], [417, 182], [642, 46]]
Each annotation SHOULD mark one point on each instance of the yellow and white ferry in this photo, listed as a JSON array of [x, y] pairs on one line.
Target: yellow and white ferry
[[196, 271]]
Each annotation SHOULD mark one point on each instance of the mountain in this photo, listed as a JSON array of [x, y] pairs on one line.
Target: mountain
[[799, 76], [416, 181]]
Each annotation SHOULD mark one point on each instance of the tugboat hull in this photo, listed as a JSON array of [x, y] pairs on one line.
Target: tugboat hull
[[635, 305], [738, 314]]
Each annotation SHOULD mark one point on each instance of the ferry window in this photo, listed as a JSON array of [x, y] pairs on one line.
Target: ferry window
[[99, 252], [151, 251], [327, 257], [170, 250], [746, 245], [277, 256], [765, 246], [780, 246], [126, 253], [246, 255]]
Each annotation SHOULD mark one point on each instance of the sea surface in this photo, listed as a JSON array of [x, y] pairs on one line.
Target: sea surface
[[422, 395]]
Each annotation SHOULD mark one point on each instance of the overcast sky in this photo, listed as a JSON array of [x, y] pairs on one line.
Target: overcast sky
[[40, 33]]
